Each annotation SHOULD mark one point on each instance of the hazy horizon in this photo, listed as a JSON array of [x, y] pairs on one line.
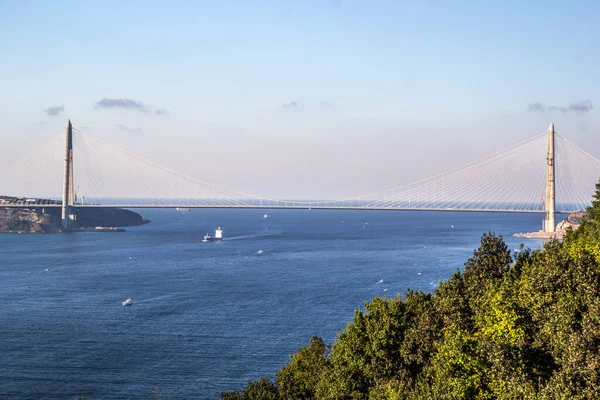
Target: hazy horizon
[[323, 99]]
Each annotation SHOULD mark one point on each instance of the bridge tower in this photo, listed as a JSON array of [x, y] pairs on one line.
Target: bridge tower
[[549, 223], [68, 217]]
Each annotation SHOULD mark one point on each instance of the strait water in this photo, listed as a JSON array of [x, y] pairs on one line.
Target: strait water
[[209, 316]]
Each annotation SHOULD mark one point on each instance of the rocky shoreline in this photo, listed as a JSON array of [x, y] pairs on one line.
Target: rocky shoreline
[[40, 220], [572, 222]]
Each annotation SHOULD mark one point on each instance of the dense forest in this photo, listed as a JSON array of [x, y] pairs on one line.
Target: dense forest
[[509, 326]]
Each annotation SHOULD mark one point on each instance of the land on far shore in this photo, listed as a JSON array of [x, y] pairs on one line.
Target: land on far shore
[[573, 221], [40, 219]]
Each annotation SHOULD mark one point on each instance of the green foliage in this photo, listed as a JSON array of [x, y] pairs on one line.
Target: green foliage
[[16, 224], [585, 239], [522, 327], [230, 395], [367, 351], [487, 265], [594, 209], [263, 389], [299, 378], [458, 370]]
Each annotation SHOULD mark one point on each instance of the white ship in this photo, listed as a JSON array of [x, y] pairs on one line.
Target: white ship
[[128, 302], [265, 216], [182, 209], [218, 236]]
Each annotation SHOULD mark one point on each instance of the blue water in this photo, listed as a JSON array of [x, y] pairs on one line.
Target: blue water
[[209, 316]]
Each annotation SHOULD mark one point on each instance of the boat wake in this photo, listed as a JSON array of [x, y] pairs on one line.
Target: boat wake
[[266, 232], [155, 298]]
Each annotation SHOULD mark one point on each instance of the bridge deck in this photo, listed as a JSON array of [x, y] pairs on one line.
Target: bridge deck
[[280, 207]]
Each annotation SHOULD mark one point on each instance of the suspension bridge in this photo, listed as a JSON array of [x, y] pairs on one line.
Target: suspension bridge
[[544, 174]]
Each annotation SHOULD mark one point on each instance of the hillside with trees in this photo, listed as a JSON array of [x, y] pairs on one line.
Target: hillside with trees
[[509, 326]]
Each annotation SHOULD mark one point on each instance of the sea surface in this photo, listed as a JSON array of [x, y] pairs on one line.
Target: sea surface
[[210, 316]]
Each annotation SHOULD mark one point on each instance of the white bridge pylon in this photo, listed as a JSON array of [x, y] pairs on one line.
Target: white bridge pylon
[[510, 180]]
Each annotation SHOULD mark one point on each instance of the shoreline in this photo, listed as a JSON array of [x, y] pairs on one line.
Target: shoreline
[[36, 219], [572, 222]]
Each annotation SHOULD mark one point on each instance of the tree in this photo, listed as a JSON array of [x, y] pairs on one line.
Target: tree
[[594, 210], [487, 264], [299, 378], [230, 395], [367, 351], [262, 389]]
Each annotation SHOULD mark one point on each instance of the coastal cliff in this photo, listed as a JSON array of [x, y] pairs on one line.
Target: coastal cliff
[[38, 220], [27, 221], [92, 217]]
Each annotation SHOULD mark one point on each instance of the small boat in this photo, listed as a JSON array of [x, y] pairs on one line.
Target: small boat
[[182, 209], [265, 216], [128, 302], [207, 238], [259, 252]]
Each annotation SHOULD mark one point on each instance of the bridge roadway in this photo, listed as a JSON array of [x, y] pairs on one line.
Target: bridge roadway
[[279, 207]]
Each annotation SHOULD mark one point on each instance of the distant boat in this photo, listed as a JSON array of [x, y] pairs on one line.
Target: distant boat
[[265, 216], [259, 252], [182, 209], [128, 302], [218, 236]]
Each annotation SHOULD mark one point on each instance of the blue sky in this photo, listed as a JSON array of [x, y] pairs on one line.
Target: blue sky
[[346, 96]]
